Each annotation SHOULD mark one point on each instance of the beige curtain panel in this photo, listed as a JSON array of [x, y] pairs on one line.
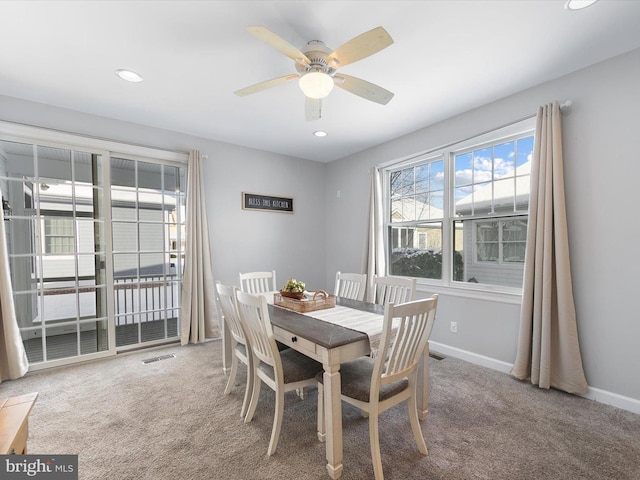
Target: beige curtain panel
[[13, 358], [374, 254], [198, 321], [548, 349]]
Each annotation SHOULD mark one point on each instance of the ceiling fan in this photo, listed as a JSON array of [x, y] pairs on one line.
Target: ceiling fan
[[317, 67]]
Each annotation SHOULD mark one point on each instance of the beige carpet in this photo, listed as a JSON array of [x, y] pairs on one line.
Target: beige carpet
[[170, 420]]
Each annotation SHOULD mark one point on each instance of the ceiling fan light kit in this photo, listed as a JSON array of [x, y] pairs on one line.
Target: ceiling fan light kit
[[316, 66], [316, 84]]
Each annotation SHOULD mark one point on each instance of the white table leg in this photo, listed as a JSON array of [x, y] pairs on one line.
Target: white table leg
[[333, 419]]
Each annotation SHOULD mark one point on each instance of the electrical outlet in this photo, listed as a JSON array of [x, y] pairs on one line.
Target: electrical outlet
[[454, 327]]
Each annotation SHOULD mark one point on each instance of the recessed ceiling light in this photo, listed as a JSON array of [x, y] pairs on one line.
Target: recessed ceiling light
[[578, 4], [128, 75], [320, 133]]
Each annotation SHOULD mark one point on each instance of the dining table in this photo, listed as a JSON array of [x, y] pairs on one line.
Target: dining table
[[332, 344]]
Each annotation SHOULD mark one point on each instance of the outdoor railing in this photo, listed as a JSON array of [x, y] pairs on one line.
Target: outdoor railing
[[136, 299], [148, 299]]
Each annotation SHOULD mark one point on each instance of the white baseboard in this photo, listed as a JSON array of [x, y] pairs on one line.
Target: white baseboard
[[596, 394], [613, 399], [470, 357]]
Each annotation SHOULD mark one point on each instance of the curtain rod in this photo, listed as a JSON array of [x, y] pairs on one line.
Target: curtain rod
[[563, 107]]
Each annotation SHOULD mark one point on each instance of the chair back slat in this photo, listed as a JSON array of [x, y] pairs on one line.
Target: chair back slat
[[406, 344], [229, 307], [350, 285], [405, 332], [393, 289], [258, 282], [253, 311]]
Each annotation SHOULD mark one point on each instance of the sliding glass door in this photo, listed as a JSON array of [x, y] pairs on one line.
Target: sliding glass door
[[96, 245], [147, 210], [54, 222]]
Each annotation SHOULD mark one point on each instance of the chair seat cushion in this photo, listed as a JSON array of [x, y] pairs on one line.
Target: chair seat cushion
[[355, 379], [295, 366]]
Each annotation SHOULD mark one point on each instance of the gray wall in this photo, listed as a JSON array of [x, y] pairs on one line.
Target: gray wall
[[247, 240], [602, 169], [291, 244], [601, 172]]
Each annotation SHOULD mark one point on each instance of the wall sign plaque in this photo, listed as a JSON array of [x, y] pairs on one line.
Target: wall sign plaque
[[252, 201]]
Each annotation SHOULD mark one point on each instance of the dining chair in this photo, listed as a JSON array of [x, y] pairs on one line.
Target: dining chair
[[282, 371], [240, 348], [392, 289], [258, 282], [351, 285], [375, 384]]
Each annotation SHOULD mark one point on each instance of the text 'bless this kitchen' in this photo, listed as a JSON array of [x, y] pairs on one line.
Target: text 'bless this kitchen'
[[252, 201]]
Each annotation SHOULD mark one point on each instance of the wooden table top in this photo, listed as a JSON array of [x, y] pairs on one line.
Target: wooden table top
[[14, 416], [322, 333]]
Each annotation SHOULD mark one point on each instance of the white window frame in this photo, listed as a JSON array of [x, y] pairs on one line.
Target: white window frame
[[447, 285]]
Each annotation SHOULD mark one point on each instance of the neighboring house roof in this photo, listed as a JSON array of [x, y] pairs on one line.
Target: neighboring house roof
[[422, 210], [500, 194]]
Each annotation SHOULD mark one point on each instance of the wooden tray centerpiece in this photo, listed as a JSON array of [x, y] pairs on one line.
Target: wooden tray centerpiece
[[292, 296]]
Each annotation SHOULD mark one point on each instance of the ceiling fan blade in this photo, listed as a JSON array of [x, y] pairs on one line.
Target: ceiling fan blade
[[258, 87], [363, 88], [277, 42], [359, 47], [312, 108]]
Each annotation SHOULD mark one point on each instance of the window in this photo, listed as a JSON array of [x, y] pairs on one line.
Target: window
[[59, 237], [500, 241], [460, 214], [415, 220]]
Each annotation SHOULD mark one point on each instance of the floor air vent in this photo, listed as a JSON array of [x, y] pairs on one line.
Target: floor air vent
[[437, 356], [157, 359]]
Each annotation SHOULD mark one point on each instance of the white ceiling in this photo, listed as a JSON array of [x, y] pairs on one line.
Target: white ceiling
[[448, 57]]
